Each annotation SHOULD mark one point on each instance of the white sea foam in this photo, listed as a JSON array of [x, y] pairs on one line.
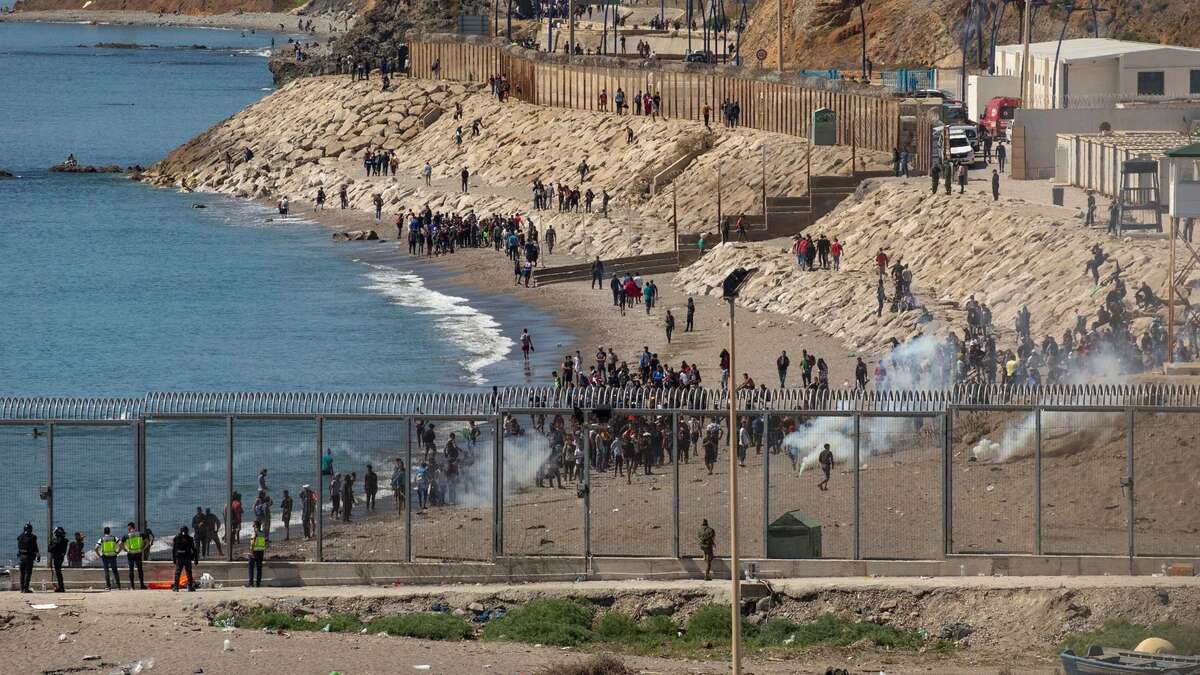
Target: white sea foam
[[475, 331]]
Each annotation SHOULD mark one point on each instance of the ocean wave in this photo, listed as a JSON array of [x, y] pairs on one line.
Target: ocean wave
[[475, 331]]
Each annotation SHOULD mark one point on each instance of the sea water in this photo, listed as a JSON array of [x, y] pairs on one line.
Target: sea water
[[113, 288]]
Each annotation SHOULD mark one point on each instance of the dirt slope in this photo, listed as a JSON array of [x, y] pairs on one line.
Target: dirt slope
[[827, 33]]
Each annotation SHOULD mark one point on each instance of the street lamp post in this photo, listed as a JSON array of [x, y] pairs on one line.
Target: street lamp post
[[730, 287]]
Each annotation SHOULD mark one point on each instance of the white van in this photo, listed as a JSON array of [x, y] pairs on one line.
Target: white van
[[961, 150]]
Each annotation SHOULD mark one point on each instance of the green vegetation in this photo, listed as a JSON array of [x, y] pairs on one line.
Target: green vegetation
[[554, 621], [261, 617], [1120, 634], [566, 622], [597, 665], [424, 625]]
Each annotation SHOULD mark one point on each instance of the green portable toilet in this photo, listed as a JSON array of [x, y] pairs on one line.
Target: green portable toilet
[[792, 536], [823, 129]]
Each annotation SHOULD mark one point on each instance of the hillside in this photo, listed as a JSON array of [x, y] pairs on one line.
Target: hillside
[[827, 33]]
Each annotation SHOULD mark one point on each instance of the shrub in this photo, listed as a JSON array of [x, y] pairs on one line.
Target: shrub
[[261, 617], [711, 623], [424, 625], [564, 623], [597, 665]]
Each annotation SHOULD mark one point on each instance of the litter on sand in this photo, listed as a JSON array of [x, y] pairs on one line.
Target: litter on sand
[[423, 666], [48, 605]]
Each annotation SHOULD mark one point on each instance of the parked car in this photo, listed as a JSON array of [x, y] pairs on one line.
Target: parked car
[[961, 150], [969, 131], [701, 56]]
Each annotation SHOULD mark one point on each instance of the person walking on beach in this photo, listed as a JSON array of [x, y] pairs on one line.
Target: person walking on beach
[[370, 486], [670, 325], [308, 506], [212, 526], [781, 364], [962, 178], [427, 172], [58, 551], [691, 314], [285, 508], [526, 344], [348, 496], [345, 198], [320, 199], [825, 459], [258, 551], [377, 200], [108, 547], [134, 544], [28, 553], [466, 175], [399, 483], [1001, 155], [283, 206], [996, 186], [708, 538], [183, 553]]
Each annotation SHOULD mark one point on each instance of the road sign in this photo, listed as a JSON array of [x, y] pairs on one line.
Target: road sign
[[761, 54]]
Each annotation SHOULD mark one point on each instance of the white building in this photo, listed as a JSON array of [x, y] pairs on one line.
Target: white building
[[1099, 72]]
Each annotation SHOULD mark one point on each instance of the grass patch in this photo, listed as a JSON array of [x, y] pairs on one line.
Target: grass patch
[[654, 631], [712, 624], [424, 625], [1120, 634], [597, 665], [552, 621], [259, 617]]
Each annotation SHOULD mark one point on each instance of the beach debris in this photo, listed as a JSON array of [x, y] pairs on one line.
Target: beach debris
[[328, 627], [423, 666], [199, 206], [439, 607], [48, 605], [139, 666], [227, 646], [356, 235], [90, 657]]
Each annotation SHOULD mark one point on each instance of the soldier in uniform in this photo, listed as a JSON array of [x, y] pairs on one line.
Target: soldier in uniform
[[708, 539]]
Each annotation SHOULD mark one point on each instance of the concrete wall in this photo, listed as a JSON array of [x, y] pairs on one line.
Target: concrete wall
[[1176, 65], [1041, 129], [524, 570], [1088, 79]]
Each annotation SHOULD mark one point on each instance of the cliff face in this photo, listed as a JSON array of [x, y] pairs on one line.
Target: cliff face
[[191, 7], [828, 33]]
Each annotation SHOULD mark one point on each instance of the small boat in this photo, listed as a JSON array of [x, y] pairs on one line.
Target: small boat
[[1101, 661]]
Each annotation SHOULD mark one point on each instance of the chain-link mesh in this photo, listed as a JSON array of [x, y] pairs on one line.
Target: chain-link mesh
[[1166, 478], [287, 451], [186, 464], [452, 487], [900, 474], [992, 474], [370, 453], [1084, 459], [90, 495], [23, 451], [543, 513], [705, 496], [631, 491], [797, 492]]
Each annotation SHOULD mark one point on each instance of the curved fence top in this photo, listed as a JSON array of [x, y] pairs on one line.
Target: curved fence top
[[483, 402], [83, 409]]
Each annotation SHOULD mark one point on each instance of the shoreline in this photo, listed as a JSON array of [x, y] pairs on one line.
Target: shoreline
[[256, 21]]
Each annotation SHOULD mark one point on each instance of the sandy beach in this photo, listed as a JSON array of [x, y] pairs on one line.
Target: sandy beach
[[264, 21]]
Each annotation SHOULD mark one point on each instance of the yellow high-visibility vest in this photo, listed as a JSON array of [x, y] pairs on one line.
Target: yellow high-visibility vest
[[133, 542], [108, 545], [259, 543]]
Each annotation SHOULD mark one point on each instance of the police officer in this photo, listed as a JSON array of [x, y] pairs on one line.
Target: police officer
[[27, 554], [108, 547], [183, 552], [258, 550], [58, 552], [134, 544]]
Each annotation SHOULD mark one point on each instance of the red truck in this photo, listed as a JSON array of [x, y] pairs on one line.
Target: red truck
[[998, 115]]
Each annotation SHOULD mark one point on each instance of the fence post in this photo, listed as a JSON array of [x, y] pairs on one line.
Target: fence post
[[948, 482], [857, 486], [229, 490], [50, 482], [587, 494], [320, 490], [1129, 416], [498, 487], [408, 488], [1037, 481], [766, 478], [675, 548], [139, 450]]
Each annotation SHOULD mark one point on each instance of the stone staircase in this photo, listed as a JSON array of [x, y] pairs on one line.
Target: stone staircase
[[644, 265], [788, 216]]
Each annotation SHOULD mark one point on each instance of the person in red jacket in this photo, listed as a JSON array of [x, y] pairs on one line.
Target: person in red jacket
[[836, 251], [881, 261]]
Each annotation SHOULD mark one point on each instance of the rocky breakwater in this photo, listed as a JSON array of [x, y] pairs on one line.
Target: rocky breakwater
[[1009, 254], [310, 132]]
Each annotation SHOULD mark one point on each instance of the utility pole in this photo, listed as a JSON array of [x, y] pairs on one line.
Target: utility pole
[[764, 182], [779, 38], [718, 198], [734, 565], [571, 24], [1171, 293], [1025, 99]]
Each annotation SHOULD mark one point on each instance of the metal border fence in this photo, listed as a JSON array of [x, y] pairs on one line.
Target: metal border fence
[[924, 474]]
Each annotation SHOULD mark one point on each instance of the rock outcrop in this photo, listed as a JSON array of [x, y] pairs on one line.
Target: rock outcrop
[[82, 168]]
